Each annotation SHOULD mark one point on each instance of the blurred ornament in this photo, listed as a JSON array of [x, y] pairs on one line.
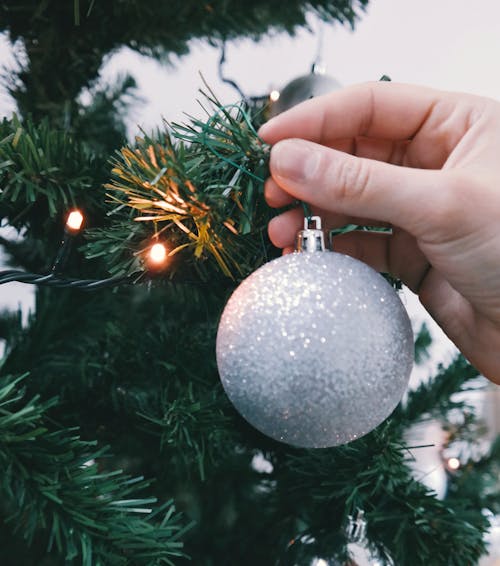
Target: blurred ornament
[[360, 553], [492, 539], [315, 348], [313, 84]]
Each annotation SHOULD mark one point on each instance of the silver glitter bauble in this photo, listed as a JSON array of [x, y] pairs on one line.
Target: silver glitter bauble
[[303, 88], [315, 349]]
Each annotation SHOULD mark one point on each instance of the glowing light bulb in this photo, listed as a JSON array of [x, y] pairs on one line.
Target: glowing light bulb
[[158, 254], [453, 463], [74, 221], [274, 95]]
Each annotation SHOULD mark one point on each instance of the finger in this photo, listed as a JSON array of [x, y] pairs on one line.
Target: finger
[[380, 110], [381, 150], [369, 247], [389, 151], [283, 229], [414, 199], [473, 335], [275, 196], [396, 253]]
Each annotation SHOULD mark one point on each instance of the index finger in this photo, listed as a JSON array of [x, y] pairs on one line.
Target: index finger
[[383, 110]]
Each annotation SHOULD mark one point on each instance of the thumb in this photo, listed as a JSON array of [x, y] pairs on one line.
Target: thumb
[[355, 186]]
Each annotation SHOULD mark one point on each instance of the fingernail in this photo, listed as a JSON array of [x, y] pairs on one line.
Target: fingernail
[[295, 160]]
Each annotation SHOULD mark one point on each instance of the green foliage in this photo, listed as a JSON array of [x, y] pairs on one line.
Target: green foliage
[[101, 374], [405, 520], [204, 198], [43, 172], [100, 123], [477, 480], [435, 396], [422, 343], [192, 418], [298, 510], [53, 481]]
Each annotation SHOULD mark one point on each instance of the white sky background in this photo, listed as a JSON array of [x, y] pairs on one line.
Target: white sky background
[[447, 44]]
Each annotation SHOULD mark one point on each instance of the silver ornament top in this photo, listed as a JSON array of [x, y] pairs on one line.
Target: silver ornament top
[[356, 527], [311, 239], [303, 88]]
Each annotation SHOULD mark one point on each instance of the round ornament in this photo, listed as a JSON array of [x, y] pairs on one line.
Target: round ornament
[[303, 88], [315, 349]]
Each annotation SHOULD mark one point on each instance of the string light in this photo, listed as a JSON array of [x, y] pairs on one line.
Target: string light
[[157, 258], [73, 226], [274, 95], [453, 464], [52, 280], [158, 254], [74, 221]]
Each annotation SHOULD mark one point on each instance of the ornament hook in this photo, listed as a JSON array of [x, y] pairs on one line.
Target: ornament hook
[[311, 239], [356, 528]]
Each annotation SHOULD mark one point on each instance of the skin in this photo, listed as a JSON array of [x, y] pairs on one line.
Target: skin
[[426, 163]]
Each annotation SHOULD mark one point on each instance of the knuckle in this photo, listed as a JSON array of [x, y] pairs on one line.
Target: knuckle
[[351, 179]]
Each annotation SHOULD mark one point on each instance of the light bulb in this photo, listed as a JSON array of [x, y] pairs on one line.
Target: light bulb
[[274, 95], [74, 221], [453, 464], [158, 254]]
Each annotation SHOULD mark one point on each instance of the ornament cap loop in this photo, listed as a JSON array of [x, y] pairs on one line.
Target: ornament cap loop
[[311, 239], [356, 528]]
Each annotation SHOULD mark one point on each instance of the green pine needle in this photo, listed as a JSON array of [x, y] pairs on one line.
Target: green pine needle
[[52, 482], [202, 195]]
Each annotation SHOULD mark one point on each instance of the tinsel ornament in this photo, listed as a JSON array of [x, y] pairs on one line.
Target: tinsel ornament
[[315, 348], [315, 83]]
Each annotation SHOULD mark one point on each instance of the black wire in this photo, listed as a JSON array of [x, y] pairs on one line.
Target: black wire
[[226, 80], [52, 280]]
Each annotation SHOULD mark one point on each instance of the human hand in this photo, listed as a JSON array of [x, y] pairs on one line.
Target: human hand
[[426, 163]]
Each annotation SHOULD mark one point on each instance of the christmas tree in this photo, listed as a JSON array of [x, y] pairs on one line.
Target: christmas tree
[[118, 444]]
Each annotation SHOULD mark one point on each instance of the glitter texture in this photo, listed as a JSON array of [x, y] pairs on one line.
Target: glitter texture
[[315, 349]]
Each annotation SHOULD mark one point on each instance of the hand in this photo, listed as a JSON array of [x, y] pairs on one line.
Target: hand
[[426, 163]]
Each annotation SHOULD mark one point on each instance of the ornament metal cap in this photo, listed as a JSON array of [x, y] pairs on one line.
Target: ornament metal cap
[[311, 239], [356, 527]]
